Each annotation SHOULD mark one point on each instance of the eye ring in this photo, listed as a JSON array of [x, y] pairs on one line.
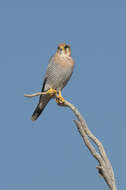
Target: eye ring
[[59, 48]]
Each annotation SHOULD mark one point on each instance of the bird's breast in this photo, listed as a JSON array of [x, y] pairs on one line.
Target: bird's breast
[[64, 61]]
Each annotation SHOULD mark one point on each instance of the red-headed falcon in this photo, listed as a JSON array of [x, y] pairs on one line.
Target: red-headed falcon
[[58, 73]]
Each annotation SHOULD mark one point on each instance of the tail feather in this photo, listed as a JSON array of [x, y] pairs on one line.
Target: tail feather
[[40, 107]]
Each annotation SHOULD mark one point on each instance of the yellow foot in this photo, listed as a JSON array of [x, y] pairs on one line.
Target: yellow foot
[[59, 98], [51, 91]]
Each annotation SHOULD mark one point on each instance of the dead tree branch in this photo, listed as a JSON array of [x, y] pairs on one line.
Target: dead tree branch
[[104, 168]]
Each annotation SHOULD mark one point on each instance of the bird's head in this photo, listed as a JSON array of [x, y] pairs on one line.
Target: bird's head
[[64, 49]]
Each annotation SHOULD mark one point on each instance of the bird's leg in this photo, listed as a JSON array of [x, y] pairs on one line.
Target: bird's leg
[[51, 91], [59, 98]]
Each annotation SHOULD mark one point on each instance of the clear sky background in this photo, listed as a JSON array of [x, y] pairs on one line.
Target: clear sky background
[[49, 153]]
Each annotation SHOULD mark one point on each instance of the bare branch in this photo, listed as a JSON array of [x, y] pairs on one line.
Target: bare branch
[[104, 168], [87, 142], [35, 94]]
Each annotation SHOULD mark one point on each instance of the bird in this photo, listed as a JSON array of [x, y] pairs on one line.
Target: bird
[[58, 73]]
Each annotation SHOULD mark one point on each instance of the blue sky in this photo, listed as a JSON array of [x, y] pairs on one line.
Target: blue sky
[[49, 153]]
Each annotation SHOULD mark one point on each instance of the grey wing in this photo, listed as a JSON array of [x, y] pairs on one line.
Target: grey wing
[[46, 75], [56, 76]]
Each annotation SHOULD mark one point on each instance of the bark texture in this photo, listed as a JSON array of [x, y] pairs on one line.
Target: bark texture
[[104, 166]]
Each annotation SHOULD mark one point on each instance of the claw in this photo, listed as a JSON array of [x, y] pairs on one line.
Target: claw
[[59, 98], [51, 91]]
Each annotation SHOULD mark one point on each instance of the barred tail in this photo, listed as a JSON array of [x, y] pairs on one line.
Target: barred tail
[[40, 107]]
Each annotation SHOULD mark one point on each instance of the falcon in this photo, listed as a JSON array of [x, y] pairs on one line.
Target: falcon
[[59, 71]]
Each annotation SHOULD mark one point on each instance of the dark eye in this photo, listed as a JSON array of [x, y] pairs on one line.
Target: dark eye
[[59, 48], [66, 46]]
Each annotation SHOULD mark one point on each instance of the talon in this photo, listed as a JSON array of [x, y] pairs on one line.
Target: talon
[[51, 91], [59, 98]]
